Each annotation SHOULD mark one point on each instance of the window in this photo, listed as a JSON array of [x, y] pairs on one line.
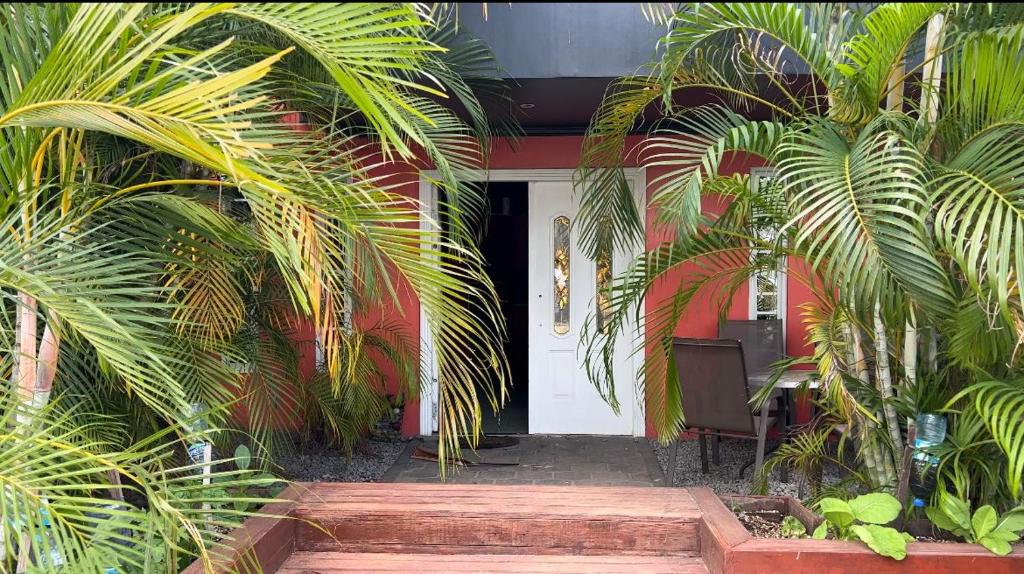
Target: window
[[562, 252], [768, 284]]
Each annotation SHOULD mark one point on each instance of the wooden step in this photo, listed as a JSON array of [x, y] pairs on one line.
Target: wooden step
[[495, 519], [331, 562]]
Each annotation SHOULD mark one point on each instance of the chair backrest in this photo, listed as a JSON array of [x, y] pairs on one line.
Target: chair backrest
[[762, 341], [713, 381]]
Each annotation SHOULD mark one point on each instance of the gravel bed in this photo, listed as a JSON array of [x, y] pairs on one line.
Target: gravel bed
[[723, 478], [369, 462]]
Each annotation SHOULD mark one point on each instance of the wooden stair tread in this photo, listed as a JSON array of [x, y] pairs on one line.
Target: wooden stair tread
[[493, 502], [332, 562], [514, 519], [494, 548]]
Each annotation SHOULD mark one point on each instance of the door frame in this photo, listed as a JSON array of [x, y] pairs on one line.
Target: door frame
[[428, 202]]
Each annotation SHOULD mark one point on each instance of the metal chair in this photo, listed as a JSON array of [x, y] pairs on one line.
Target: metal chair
[[713, 380], [762, 341], [763, 345]]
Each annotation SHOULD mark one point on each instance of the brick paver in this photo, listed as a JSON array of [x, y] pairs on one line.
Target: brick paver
[[547, 459]]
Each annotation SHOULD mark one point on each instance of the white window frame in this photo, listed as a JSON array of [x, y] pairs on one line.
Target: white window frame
[[782, 284]]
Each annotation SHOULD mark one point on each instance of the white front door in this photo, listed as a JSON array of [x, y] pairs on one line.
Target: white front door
[[563, 283]]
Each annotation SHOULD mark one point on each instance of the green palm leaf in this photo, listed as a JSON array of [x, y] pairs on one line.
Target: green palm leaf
[[858, 209], [874, 57], [371, 51], [697, 28], [1001, 405], [979, 218]]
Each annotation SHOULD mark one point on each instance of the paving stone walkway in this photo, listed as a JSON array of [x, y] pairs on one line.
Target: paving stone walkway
[[548, 459]]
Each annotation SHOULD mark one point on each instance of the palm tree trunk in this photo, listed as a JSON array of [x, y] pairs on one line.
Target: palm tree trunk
[[27, 351], [49, 350], [910, 349], [894, 99], [932, 72], [868, 454], [873, 457], [27, 376], [931, 80], [884, 380], [877, 462], [35, 369], [933, 349], [37, 362]]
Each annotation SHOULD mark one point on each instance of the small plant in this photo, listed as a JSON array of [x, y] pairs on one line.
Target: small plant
[[862, 518], [793, 528], [985, 527]]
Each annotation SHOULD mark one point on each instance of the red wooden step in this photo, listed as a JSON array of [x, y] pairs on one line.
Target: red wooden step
[[331, 562], [426, 518]]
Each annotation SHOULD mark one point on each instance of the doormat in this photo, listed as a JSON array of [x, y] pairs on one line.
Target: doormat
[[492, 441], [427, 454]]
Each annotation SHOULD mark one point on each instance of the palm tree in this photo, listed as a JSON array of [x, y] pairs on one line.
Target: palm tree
[[132, 291], [894, 134]]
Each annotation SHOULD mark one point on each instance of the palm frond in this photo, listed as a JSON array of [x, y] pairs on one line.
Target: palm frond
[[872, 58], [56, 480], [1001, 406], [697, 28], [371, 63], [609, 218], [858, 209], [979, 214]]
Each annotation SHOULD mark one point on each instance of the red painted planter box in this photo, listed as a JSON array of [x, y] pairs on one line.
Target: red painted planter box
[[727, 548]]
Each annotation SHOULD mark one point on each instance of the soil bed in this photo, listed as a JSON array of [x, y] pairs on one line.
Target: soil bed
[[761, 523]]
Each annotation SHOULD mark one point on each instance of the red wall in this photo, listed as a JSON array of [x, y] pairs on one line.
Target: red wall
[[563, 152]]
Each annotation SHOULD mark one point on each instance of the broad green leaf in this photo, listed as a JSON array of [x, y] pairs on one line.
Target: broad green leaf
[[875, 508], [1012, 521], [956, 509], [243, 458], [939, 519], [882, 539], [1006, 535], [820, 532], [996, 545], [836, 511], [984, 521]]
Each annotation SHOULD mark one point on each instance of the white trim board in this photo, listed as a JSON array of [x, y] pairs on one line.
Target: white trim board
[[428, 199]]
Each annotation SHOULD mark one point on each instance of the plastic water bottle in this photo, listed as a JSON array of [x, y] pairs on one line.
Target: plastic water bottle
[[197, 450], [931, 431]]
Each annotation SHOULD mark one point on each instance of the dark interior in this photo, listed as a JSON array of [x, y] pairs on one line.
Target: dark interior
[[505, 247]]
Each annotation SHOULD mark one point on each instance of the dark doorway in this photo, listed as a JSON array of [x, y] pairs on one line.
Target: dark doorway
[[504, 244], [505, 248]]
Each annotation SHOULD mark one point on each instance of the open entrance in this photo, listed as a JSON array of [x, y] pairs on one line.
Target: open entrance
[[505, 248], [504, 244]]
